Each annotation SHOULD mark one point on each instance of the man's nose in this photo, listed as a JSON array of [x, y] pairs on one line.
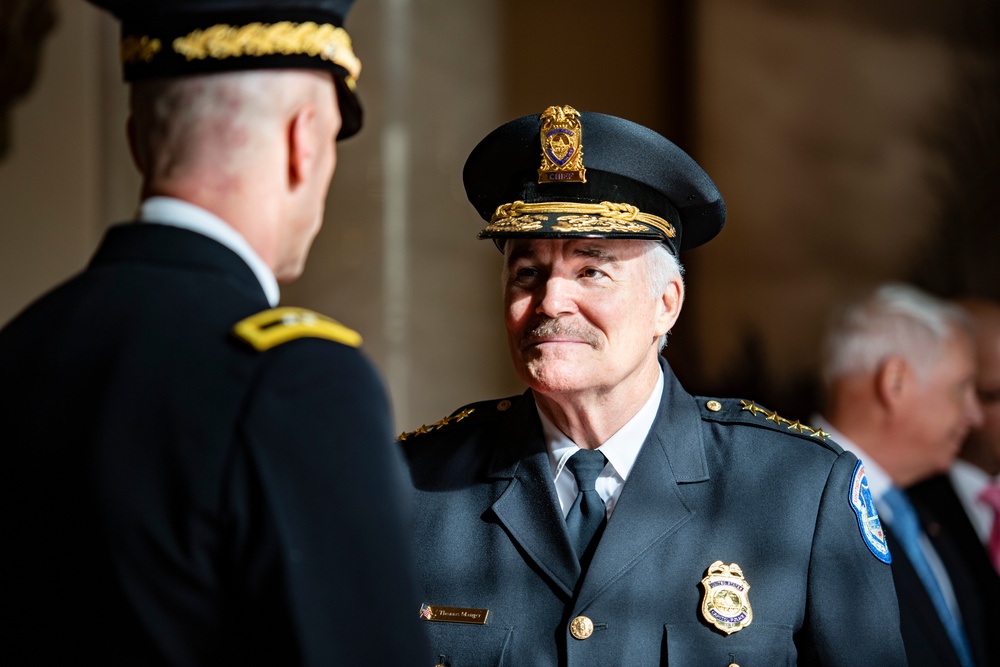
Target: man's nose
[[557, 298]]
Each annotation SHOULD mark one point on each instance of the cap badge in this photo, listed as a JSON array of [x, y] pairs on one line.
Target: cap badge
[[726, 605], [562, 147]]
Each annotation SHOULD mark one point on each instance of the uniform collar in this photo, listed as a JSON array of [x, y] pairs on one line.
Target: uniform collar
[[621, 449], [185, 215]]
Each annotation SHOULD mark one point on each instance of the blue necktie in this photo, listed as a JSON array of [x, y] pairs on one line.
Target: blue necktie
[[587, 514], [905, 525]]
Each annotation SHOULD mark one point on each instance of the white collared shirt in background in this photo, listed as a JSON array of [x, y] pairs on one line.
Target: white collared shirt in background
[[969, 481], [620, 450], [185, 215]]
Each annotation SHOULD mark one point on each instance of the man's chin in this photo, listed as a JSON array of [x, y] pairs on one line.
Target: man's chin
[[551, 376]]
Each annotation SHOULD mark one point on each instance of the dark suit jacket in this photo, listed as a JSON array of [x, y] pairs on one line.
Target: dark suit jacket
[[173, 496], [976, 583], [707, 485]]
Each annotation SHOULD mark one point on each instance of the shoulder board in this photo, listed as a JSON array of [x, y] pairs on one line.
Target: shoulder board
[[273, 327], [481, 409], [747, 412]]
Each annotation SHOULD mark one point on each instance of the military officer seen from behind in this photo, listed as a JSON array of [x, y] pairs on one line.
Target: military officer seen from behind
[[193, 476], [606, 516]]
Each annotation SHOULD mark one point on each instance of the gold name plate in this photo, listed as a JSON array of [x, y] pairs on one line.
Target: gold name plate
[[454, 614]]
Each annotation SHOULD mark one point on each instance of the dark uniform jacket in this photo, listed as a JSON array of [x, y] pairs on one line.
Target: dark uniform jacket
[[975, 582], [715, 480], [173, 496]]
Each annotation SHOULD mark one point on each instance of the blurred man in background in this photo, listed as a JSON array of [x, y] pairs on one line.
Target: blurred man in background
[[193, 476], [965, 503], [899, 368]]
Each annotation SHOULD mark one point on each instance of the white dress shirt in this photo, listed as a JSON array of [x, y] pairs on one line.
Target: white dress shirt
[[879, 483], [620, 450], [969, 481], [179, 213]]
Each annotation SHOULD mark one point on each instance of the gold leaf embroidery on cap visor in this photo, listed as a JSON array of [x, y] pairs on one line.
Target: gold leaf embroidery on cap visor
[[581, 217]]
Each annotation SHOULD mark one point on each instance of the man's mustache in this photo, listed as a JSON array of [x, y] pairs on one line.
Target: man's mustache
[[553, 328]]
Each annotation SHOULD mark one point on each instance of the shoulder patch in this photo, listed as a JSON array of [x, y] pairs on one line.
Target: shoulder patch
[[273, 327], [481, 409], [863, 505]]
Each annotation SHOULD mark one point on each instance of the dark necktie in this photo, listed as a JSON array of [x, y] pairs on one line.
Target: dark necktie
[[587, 514]]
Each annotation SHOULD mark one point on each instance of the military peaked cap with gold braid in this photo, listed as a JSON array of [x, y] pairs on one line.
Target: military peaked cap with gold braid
[[178, 37], [273, 327], [566, 173]]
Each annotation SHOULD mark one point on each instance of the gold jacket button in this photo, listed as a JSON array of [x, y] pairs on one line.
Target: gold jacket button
[[581, 627], [714, 406]]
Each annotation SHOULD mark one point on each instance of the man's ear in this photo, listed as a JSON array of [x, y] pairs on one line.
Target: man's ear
[[138, 159], [670, 306], [301, 145], [891, 381]]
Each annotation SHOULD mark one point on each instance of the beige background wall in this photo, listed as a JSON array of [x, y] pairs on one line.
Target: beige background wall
[[811, 126]]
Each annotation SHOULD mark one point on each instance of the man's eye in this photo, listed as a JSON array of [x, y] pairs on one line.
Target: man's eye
[[525, 273], [591, 272]]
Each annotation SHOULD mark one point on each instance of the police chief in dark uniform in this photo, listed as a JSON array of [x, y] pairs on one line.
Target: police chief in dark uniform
[[606, 516], [194, 476]]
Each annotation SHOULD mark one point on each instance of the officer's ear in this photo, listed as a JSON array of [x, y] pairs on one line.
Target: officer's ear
[[134, 147], [670, 303], [302, 150]]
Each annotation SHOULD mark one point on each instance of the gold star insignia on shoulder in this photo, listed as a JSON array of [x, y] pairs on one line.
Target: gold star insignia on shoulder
[[798, 426], [773, 416], [441, 423], [776, 418]]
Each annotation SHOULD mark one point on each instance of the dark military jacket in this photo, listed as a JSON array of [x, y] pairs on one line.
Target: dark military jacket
[[175, 496], [715, 480]]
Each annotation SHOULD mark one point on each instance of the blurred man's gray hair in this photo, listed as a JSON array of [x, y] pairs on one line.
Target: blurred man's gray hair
[[895, 320]]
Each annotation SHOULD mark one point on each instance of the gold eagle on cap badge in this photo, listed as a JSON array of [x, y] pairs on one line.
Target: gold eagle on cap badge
[[726, 605], [562, 146]]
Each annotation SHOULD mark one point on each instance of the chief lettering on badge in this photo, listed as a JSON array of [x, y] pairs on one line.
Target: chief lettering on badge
[[864, 507]]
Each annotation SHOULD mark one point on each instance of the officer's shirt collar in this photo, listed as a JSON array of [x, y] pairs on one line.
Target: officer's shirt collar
[[621, 450], [185, 215]]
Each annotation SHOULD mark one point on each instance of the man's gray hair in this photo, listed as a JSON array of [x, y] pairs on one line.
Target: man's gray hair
[[662, 269], [894, 320]]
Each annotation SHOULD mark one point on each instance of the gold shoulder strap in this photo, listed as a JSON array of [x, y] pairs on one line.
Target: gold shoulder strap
[[273, 327]]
